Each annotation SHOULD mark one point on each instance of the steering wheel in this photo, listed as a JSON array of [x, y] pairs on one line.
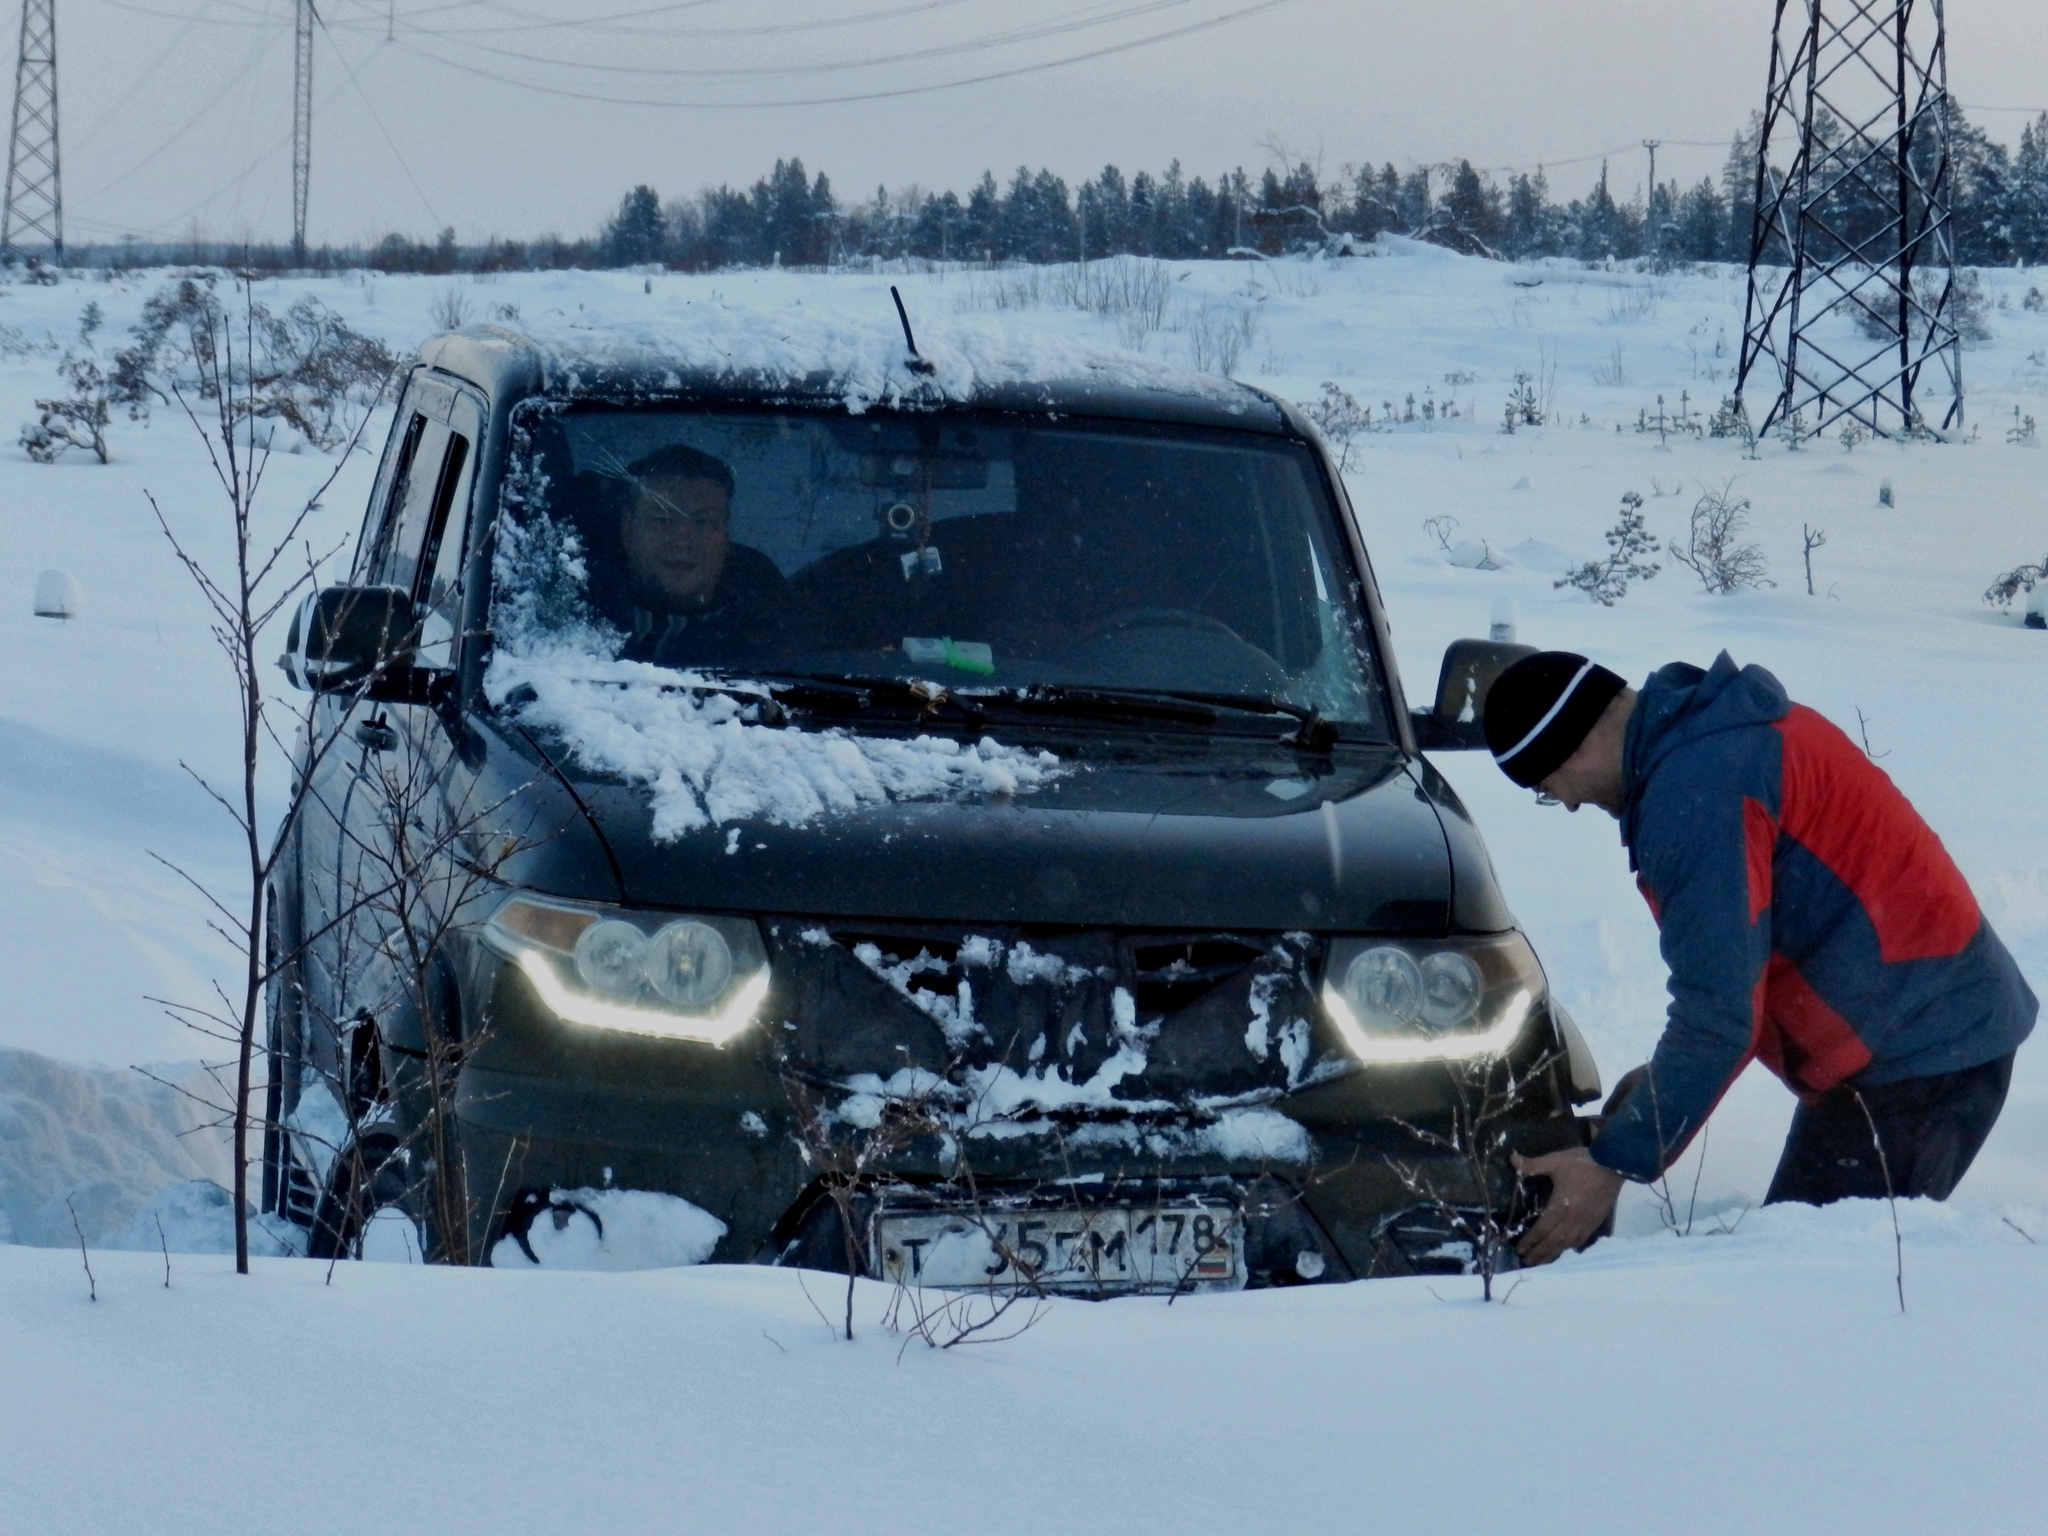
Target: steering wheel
[[1126, 619]]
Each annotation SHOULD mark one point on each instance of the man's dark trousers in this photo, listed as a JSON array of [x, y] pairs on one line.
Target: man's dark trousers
[[1929, 1130]]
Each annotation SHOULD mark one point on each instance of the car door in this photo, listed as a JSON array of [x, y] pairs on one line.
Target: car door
[[361, 758]]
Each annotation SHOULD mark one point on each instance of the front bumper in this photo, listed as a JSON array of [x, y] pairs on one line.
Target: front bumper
[[1334, 1168]]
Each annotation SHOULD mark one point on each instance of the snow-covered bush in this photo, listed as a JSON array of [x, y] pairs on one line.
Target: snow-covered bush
[[1628, 541], [77, 419], [1714, 550], [306, 368]]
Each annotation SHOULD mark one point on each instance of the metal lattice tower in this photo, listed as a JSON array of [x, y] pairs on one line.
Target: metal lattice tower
[[302, 123], [1852, 286], [32, 222]]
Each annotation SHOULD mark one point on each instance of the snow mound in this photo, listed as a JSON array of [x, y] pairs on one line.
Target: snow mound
[[614, 1229], [705, 765], [863, 361], [198, 1216], [106, 1141]]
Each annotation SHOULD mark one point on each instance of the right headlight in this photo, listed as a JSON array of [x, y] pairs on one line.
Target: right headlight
[[1397, 1000], [646, 973]]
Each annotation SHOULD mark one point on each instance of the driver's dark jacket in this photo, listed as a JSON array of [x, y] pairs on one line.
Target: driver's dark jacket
[[741, 621], [1809, 917]]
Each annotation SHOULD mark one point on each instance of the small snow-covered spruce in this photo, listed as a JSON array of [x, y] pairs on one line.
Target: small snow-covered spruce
[[1714, 550], [1340, 418], [79, 418], [1793, 431], [1731, 420], [1628, 542], [1853, 432], [2022, 430], [1523, 408]]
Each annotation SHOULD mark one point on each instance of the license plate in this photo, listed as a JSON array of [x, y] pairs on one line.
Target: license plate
[[1100, 1251]]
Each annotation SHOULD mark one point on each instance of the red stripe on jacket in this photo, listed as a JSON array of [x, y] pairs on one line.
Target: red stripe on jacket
[[1845, 811]]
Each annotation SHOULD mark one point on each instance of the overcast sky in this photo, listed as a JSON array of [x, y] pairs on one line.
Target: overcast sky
[[177, 113]]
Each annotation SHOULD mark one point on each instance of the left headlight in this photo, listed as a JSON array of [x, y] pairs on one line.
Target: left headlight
[[1397, 1000], [646, 973]]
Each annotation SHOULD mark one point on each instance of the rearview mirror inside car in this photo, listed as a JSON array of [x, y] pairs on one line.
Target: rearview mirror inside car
[[1457, 721], [359, 641]]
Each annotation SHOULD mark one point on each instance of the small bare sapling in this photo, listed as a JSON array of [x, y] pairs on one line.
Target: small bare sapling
[[1714, 549], [1811, 539]]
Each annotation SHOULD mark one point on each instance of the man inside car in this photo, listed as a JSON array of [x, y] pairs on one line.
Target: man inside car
[[693, 598]]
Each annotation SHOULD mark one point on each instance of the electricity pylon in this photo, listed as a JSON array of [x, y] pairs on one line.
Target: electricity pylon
[[34, 211], [302, 123], [1852, 284]]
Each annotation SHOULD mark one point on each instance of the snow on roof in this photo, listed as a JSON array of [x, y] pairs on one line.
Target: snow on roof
[[864, 362]]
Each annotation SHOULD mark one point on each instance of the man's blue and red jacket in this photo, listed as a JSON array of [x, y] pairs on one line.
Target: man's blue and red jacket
[[1808, 915]]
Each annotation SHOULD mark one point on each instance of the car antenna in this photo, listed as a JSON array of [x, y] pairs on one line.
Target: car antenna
[[918, 362]]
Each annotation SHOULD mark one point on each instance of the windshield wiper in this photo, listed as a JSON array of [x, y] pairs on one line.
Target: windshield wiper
[[1312, 732]]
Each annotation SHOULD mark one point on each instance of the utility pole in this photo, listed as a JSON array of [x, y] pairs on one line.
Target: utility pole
[[302, 123], [1859, 294], [1650, 207], [34, 209]]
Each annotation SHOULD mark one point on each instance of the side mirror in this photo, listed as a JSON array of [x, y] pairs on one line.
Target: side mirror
[[1457, 721], [359, 641]]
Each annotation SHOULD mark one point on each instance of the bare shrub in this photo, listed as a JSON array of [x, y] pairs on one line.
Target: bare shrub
[[1612, 372], [450, 309], [1473, 1192], [1340, 418], [2020, 579], [306, 368], [1714, 549], [1217, 335]]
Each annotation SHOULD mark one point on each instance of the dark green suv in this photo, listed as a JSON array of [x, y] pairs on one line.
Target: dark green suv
[[894, 814]]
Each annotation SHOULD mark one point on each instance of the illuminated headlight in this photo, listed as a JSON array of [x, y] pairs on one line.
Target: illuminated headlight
[[1441, 1000], [685, 978]]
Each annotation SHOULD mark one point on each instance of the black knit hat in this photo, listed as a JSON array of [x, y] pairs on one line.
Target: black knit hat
[[1540, 709]]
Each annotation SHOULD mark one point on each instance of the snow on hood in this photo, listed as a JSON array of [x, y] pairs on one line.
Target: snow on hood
[[864, 362], [703, 763]]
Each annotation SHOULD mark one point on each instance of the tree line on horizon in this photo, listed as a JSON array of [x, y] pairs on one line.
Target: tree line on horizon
[[792, 217]]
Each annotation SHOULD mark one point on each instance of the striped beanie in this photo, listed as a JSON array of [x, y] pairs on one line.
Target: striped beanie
[[1540, 709]]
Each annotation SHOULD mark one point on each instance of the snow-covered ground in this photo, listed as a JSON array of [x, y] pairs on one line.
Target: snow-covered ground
[[1762, 1381]]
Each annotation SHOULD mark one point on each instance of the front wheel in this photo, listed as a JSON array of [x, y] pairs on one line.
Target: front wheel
[[365, 1211]]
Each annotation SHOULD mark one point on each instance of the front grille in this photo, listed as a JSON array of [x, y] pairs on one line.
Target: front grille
[[1173, 973]]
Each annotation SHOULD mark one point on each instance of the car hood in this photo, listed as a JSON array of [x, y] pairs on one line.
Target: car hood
[[1172, 837]]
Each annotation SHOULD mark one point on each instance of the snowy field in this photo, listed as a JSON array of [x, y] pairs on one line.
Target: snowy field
[[1762, 1381]]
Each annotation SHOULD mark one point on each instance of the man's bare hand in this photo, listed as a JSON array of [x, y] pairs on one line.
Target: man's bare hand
[[1582, 1196]]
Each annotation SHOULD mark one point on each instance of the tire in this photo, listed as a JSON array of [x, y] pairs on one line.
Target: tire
[[369, 1179]]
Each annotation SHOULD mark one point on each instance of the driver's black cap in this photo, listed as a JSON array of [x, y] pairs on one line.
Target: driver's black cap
[[1540, 709]]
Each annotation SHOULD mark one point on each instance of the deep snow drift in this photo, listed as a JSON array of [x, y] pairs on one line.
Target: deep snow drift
[[1763, 1381]]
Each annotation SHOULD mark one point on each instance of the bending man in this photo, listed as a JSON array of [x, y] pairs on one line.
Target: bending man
[[1809, 917]]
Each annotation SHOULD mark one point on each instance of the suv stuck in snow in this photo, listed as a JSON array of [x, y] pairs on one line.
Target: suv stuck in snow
[[772, 796]]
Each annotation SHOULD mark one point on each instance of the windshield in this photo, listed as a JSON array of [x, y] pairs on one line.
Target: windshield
[[978, 552]]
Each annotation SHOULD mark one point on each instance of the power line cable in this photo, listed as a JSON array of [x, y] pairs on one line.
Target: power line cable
[[257, 51], [371, 108], [855, 96], [837, 66]]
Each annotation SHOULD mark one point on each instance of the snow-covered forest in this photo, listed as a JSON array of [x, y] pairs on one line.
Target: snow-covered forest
[[796, 217]]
